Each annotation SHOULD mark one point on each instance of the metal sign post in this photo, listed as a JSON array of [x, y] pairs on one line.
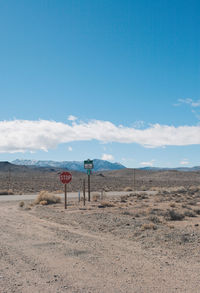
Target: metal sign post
[[88, 172], [65, 196], [88, 164], [84, 192], [65, 178]]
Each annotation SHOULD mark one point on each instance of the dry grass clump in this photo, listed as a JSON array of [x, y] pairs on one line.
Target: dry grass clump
[[58, 191], [6, 192], [143, 188], [106, 204], [189, 213], [123, 198], [155, 188], [45, 198], [43, 203], [128, 188], [154, 219], [96, 196], [148, 226], [21, 204], [197, 211], [141, 196], [194, 188]]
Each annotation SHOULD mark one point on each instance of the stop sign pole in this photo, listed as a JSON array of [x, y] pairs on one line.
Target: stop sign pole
[[65, 178]]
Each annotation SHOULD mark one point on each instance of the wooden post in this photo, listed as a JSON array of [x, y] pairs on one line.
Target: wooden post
[[65, 196], [84, 192], [88, 185]]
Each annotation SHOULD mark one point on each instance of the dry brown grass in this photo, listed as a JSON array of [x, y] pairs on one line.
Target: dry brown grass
[[123, 198], [43, 202], [44, 198], [96, 196], [128, 188], [58, 192], [148, 226], [6, 192], [21, 204], [105, 204]]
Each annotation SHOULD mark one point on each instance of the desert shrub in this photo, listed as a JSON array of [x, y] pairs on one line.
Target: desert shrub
[[43, 202], [154, 219], [105, 204], [6, 192], [141, 196], [132, 194], [197, 211], [194, 188], [128, 213], [21, 204], [189, 213], [123, 198], [192, 203], [58, 191], [48, 197], [185, 206], [128, 188], [95, 196], [173, 215], [3, 192], [148, 226]]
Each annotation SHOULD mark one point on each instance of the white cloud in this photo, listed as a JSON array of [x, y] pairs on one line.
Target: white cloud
[[25, 135], [72, 118], [190, 102], [184, 162], [148, 164], [70, 149], [107, 157], [194, 105]]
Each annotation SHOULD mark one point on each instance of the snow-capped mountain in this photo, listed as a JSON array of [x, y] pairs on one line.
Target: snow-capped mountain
[[99, 165]]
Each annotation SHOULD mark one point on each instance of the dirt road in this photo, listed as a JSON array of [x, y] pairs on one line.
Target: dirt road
[[52, 250]]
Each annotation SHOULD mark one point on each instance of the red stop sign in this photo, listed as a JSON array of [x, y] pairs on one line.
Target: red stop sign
[[65, 177]]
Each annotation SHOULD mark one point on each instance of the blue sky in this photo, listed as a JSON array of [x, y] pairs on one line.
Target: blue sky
[[106, 79]]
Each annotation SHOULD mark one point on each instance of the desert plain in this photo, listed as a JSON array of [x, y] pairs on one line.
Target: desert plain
[[145, 241]]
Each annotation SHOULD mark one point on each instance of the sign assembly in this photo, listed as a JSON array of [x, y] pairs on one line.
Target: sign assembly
[[88, 164]]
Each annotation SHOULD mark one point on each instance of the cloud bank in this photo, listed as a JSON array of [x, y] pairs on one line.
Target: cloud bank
[[107, 157], [25, 135]]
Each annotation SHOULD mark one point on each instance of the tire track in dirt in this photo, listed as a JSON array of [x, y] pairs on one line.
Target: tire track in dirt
[[39, 255]]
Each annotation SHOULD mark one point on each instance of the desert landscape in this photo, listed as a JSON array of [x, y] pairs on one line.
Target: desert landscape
[[144, 241], [27, 180]]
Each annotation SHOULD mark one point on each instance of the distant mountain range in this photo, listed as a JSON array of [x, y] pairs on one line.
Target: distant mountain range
[[183, 169], [99, 165]]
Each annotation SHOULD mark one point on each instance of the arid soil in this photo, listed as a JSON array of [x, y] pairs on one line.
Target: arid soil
[[136, 243]]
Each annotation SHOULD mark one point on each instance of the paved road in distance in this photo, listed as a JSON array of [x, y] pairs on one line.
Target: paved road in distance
[[69, 195]]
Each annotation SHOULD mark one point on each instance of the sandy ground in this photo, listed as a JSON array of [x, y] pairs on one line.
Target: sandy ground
[[100, 249]]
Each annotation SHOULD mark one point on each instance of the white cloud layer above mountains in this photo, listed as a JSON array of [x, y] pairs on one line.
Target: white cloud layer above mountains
[[25, 135]]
